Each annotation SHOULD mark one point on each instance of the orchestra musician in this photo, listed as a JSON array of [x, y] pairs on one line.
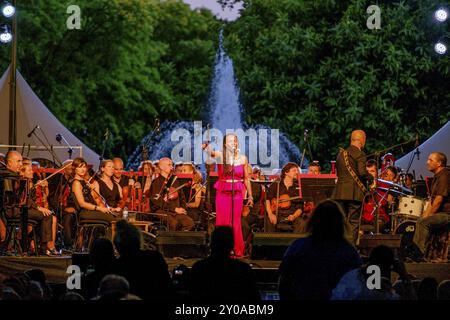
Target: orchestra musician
[[43, 216], [167, 199], [437, 215], [283, 205], [381, 199], [107, 188], [251, 215], [37, 200], [84, 195], [62, 201], [390, 174], [125, 182], [196, 195]]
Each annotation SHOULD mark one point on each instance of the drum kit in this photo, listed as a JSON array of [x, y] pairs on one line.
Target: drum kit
[[407, 209]]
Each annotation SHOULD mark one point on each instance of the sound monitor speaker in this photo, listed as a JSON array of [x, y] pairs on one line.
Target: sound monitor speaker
[[272, 245], [183, 244]]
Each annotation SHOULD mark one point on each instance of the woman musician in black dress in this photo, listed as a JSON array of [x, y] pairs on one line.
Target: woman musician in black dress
[[107, 187], [83, 194]]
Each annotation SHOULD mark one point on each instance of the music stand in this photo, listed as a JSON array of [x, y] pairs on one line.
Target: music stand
[[316, 188]]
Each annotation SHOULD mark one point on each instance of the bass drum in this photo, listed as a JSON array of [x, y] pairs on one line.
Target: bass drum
[[406, 230]]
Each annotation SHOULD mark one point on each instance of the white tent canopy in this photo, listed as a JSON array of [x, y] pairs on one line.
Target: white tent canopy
[[30, 112], [439, 142]]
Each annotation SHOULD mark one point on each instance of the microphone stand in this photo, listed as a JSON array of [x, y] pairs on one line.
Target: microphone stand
[[49, 149], [305, 139], [232, 192], [104, 147], [61, 137]]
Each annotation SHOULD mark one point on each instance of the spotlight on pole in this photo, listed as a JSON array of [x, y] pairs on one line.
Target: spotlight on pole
[[5, 34], [8, 10], [441, 14], [440, 47]]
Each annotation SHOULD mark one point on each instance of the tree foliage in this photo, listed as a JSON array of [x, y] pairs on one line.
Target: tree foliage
[[315, 65], [131, 61]]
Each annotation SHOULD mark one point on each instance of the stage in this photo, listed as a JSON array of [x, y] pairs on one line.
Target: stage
[[265, 270]]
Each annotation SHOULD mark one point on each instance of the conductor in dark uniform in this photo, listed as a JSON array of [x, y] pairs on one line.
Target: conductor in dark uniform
[[348, 191]]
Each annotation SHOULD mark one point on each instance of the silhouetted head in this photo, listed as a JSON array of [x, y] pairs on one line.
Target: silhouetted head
[[222, 241], [443, 291], [127, 239], [113, 287], [383, 257], [102, 253], [72, 296], [427, 289], [327, 223]]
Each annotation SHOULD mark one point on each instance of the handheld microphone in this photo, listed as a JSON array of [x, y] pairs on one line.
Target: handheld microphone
[[32, 131]]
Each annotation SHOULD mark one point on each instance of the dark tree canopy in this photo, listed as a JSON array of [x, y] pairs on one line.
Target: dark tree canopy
[[315, 65]]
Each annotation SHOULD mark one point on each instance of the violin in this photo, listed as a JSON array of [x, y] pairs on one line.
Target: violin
[[42, 190], [283, 202], [173, 192]]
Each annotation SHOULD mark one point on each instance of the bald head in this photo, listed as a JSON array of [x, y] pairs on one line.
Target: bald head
[[165, 165], [118, 167], [358, 138], [14, 161]]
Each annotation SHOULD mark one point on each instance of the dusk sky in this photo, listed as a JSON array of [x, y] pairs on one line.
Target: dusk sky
[[225, 14]]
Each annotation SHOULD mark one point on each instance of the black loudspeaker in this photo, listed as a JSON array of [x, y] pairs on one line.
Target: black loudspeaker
[[183, 244], [272, 245]]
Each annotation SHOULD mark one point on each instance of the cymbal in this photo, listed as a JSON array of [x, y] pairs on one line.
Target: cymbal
[[390, 183], [392, 190], [394, 185]]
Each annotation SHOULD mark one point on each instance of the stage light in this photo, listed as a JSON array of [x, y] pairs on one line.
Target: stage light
[[441, 15], [5, 34], [8, 10], [440, 48]]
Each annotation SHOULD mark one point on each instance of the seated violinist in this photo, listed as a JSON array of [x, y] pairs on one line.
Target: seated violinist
[[167, 198], [282, 202], [85, 196], [35, 212], [61, 201], [107, 188], [194, 205]]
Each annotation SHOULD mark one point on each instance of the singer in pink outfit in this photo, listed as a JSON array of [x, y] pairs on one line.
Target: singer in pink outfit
[[231, 186]]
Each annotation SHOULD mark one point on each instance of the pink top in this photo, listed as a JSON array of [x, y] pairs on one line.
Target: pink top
[[224, 183]]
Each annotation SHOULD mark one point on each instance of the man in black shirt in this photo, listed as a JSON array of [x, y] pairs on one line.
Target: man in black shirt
[[284, 192], [118, 177], [168, 199], [438, 213]]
